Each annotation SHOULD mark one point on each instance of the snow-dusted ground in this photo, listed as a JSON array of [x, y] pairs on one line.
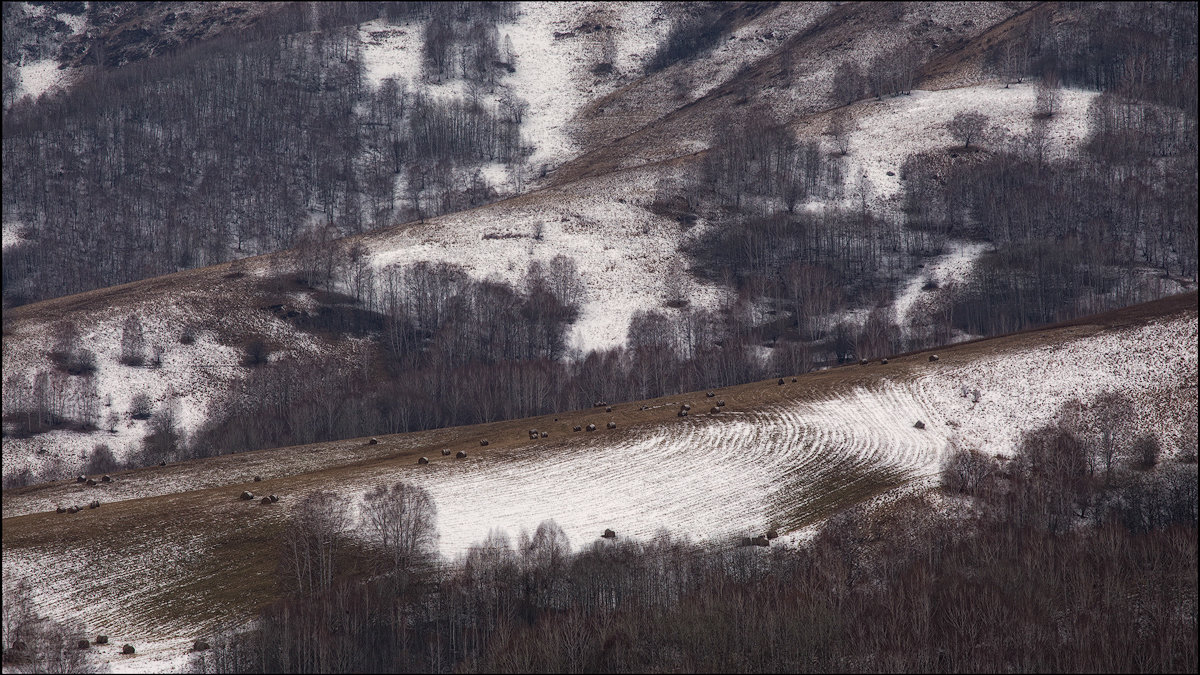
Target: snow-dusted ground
[[620, 249], [12, 234], [954, 266], [731, 474], [192, 377], [707, 477], [39, 77], [890, 130]]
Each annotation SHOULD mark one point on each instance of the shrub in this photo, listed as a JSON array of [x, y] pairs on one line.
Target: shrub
[[257, 353], [1146, 451], [101, 460], [968, 470], [140, 407]]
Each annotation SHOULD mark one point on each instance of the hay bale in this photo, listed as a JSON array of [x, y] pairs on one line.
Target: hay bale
[[711, 394], [714, 410], [95, 504], [200, 645], [933, 357], [612, 425], [721, 403], [609, 534], [577, 428], [482, 443], [274, 499], [591, 427], [246, 495], [101, 639], [127, 649], [545, 434], [265, 501], [373, 441], [107, 479], [462, 454], [919, 425], [83, 644], [423, 460], [445, 452]]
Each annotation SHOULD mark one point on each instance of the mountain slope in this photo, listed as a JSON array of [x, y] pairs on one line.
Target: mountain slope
[[176, 552]]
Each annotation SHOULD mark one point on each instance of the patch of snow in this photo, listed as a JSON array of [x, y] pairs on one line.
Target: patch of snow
[[954, 266], [391, 51], [12, 234], [888, 131], [547, 75], [40, 77], [192, 378], [619, 248]]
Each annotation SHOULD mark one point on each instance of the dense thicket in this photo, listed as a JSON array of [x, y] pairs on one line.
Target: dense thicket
[[242, 145], [446, 350], [1071, 233], [698, 28], [1042, 563], [1143, 50]]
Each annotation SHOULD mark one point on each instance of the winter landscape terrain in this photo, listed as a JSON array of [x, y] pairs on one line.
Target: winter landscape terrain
[[935, 261]]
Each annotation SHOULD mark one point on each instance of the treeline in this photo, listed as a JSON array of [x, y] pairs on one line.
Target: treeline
[[1043, 562], [1071, 233], [446, 350], [239, 146], [799, 266], [1145, 51], [698, 28]]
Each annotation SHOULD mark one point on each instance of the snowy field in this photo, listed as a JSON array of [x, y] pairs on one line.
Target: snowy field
[[191, 379], [890, 130], [709, 477], [713, 477], [621, 249]]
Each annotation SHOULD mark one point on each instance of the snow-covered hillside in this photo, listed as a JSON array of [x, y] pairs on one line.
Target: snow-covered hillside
[[709, 477], [713, 477]]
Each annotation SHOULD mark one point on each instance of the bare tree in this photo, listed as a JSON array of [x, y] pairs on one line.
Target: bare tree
[[1049, 96], [133, 341], [848, 82], [309, 555], [840, 126], [402, 519], [967, 127]]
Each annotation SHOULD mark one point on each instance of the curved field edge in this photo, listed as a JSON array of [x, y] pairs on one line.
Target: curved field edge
[[172, 552]]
